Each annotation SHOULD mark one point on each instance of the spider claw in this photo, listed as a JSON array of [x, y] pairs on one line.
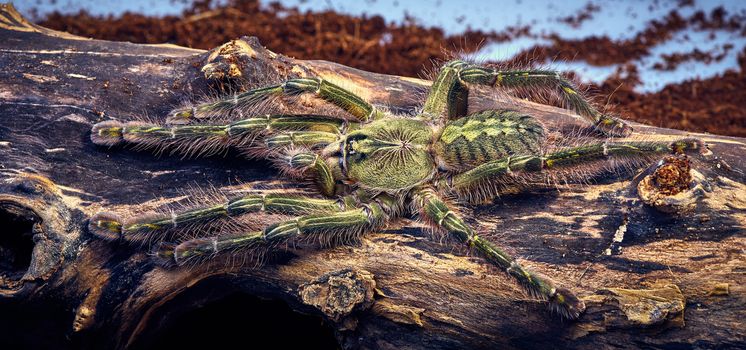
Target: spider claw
[[106, 225], [165, 253], [689, 145], [181, 116], [107, 133], [560, 300], [193, 249], [614, 127], [567, 304]]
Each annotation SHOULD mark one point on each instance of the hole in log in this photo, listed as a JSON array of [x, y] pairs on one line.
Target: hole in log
[[17, 227], [235, 318]]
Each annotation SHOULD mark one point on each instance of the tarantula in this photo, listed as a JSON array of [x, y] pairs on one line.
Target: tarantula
[[374, 166]]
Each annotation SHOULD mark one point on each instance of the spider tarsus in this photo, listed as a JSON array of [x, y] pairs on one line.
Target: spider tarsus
[[181, 116], [566, 303], [194, 248], [108, 133], [613, 127], [689, 145], [106, 225], [164, 254], [561, 300]]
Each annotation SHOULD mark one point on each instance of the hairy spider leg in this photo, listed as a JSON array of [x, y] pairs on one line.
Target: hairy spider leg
[[448, 95], [552, 80], [473, 179], [205, 140], [330, 227], [109, 226], [309, 162], [438, 212], [357, 107], [310, 139]]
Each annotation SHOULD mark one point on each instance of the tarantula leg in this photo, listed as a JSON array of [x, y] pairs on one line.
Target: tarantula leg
[[448, 95], [309, 139], [437, 211], [206, 139], [271, 123], [474, 178], [109, 226], [348, 101], [533, 79], [305, 162], [329, 227]]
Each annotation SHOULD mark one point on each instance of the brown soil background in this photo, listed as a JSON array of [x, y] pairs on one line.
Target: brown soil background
[[715, 105]]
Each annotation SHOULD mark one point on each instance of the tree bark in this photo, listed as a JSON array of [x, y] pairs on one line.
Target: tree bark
[[654, 274]]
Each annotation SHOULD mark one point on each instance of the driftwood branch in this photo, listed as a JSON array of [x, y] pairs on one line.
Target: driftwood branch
[[660, 272]]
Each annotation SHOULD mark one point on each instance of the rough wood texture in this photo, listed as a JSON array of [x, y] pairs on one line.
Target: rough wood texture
[[650, 279]]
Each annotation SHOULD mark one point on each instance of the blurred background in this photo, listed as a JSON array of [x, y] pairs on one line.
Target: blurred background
[[670, 63]]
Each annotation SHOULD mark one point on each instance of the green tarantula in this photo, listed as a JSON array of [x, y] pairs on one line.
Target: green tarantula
[[373, 166]]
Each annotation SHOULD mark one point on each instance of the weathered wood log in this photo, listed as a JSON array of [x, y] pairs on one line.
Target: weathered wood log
[[650, 278]]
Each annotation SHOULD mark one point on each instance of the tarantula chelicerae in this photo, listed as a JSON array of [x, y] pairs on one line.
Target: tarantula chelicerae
[[373, 166]]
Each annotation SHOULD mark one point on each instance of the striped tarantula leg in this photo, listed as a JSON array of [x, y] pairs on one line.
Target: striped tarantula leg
[[448, 95], [205, 139], [311, 139], [111, 227], [310, 163], [329, 227], [437, 211], [474, 178], [547, 79], [348, 101]]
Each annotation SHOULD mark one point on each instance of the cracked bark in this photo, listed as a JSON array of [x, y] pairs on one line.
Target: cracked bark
[[650, 279]]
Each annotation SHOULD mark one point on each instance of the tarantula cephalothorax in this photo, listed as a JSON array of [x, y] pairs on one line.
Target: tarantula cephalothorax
[[373, 166]]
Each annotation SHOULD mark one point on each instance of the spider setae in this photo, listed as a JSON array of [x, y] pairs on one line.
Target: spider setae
[[373, 166]]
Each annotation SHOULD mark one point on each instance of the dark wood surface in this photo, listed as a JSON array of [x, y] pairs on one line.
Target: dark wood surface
[[672, 280]]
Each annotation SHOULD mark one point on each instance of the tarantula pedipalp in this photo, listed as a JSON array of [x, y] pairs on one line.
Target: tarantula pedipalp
[[374, 166]]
